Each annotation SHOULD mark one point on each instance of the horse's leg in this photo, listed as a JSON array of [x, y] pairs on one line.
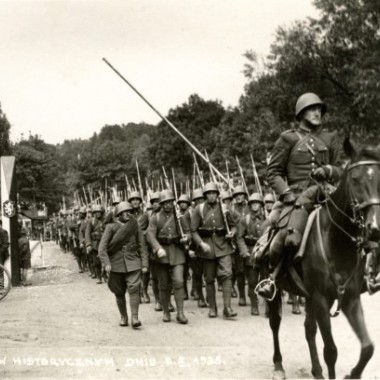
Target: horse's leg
[[310, 333], [321, 309], [354, 313], [275, 315]]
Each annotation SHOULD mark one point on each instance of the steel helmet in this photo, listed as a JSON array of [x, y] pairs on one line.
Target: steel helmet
[[269, 198], [116, 200], [197, 194], [211, 186], [63, 212], [123, 206], [184, 198], [239, 190], [166, 195], [83, 210], [155, 197], [97, 208], [134, 195], [76, 208], [256, 197], [307, 100], [225, 195]]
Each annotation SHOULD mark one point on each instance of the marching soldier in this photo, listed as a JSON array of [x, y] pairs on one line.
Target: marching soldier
[[94, 232], [239, 210], [184, 204], [73, 225], [249, 230], [63, 231], [135, 199], [297, 154], [164, 236], [82, 237], [213, 245], [195, 262], [123, 253]]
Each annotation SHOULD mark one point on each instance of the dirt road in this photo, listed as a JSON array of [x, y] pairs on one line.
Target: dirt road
[[66, 326]]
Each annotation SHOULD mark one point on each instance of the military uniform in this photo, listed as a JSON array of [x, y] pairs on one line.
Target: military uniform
[[122, 247], [249, 230], [163, 233], [207, 226], [94, 232]]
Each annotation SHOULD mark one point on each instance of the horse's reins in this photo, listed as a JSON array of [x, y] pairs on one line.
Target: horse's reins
[[356, 207]]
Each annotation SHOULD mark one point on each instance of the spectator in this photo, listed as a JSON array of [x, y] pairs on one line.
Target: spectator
[[25, 257]]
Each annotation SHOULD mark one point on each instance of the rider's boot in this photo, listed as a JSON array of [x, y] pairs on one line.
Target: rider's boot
[[296, 228]]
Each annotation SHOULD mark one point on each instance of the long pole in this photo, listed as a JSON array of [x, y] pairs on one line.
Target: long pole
[[171, 125]]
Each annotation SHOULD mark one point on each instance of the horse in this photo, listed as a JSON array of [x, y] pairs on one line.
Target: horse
[[333, 266]]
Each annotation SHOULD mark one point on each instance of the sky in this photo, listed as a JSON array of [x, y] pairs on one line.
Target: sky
[[54, 83]]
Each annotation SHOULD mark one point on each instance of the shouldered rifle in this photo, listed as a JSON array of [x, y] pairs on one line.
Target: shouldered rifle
[[178, 215], [167, 183], [140, 185], [242, 175], [128, 186], [198, 172], [256, 177]]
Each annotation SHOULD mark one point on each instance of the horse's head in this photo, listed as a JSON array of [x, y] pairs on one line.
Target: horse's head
[[363, 179]]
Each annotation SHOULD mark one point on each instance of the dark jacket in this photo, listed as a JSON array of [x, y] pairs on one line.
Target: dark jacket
[[291, 162], [207, 225], [94, 232], [163, 232], [130, 257]]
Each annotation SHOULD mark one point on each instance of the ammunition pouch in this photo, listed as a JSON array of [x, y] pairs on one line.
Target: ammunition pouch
[[166, 240], [208, 232], [250, 240]]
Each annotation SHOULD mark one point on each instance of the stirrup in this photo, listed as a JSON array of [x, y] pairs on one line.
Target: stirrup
[[263, 283]]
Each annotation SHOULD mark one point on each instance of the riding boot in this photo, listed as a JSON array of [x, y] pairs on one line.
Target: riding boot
[[296, 228], [179, 295], [122, 306], [134, 302], [234, 278], [165, 305], [145, 280], [241, 288], [98, 275], [210, 292], [227, 290]]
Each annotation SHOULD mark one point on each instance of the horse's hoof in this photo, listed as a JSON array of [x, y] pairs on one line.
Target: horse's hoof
[[317, 375], [278, 375]]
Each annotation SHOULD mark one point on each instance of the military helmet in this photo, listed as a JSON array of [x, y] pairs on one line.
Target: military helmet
[[76, 208], [256, 197], [306, 100], [63, 212], [239, 190], [197, 194], [134, 195], [166, 195], [184, 198], [83, 210], [123, 206], [116, 200], [89, 209], [225, 195], [97, 208], [211, 186], [269, 198], [155, 197]]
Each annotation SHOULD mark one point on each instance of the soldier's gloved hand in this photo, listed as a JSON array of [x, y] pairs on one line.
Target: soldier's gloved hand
[[320, 173], [184, 240], [191, 253], [107, 268], [230, 236], [205, 247], [161, 253], [144, 269]]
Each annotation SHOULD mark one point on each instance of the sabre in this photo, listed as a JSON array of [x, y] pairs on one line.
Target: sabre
[[171, 125]]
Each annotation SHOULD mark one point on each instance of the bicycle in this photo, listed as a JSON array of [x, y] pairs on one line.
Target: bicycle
[[5, 282]]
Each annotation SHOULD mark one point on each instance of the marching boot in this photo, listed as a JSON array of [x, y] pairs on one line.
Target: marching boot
[[254, 304], [296, 228], [145, 280], [179, 295], [295, 305], [234, 277], [170, 305], [210, 292], [194, 294], [122, 306], [165, 305], [134, 302], [241, 288], [185, 291], [156, 293], [227, 290]]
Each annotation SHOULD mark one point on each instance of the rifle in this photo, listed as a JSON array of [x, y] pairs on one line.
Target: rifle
[[199, 172], [242, 175], [105, 195], [140, 185], [85, 196], [167, 183], [128, 187], [192, 146], [134, 185], [256, 177], [228, 177], [177, 213]]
